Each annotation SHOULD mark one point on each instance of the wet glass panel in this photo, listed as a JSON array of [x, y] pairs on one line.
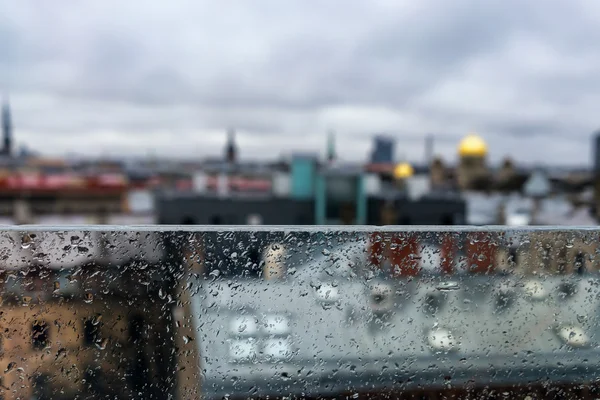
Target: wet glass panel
[[261, 312]]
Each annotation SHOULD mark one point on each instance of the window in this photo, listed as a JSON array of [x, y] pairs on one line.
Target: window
[[41, 386], [579, 264], [91, 331], [92, 378], [136, 328], [40, 335], [513, 256]]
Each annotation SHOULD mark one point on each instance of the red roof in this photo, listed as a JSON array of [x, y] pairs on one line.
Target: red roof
[[35, 182]]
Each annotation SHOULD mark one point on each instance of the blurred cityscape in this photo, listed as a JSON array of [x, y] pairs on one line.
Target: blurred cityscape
[[295, 189], [204, 200], [131, 313]]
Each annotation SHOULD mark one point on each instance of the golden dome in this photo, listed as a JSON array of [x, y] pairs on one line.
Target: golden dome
[[403, 171], [472, 146]]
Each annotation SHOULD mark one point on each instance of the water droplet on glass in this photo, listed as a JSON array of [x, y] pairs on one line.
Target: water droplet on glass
[[62, 352], [102, 344], [26, 300], [187, 339], [89, 298], [10, 366], [56, 285], [26, 241], [448, 286], [581, 318]]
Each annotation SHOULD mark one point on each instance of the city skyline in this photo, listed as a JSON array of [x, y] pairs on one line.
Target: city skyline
[[139, 79]]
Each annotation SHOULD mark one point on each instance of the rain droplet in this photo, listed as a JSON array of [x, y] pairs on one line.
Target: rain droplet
[[102, 344], [581, 318], [572, 335], [187, 339], [26, 241], [448, 286], [89, 298], [56, 285], [26, 300], [62, 352], [10, 366]]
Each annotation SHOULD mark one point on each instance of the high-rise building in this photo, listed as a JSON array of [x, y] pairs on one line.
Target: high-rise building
[[6, 130], [383, 150]]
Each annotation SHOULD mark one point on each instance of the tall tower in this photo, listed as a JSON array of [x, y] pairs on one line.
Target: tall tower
[[472, 168], [230, 148], [596, 173], [6, 130], [331, 147], [428, 149]]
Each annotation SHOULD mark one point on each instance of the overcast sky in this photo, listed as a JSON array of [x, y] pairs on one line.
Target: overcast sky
[[168, 78]]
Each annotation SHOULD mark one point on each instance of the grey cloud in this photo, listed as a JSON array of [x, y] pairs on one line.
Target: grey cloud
[[269, 69]]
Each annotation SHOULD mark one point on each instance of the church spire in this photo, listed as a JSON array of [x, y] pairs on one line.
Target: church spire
[[331, 155], [230, 149], [6, 129]]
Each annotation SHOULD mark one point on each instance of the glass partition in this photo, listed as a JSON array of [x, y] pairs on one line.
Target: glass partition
[[257, 312]]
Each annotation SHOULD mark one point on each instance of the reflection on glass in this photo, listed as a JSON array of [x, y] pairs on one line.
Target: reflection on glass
[[314, 312]]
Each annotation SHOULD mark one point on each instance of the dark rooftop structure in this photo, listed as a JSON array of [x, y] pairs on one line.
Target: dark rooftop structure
[[310, 194]]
